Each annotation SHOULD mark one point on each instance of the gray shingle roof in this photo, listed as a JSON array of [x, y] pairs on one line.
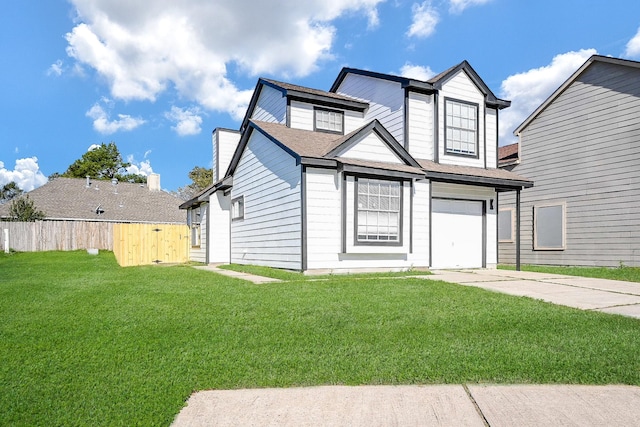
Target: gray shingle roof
[[70, 198]]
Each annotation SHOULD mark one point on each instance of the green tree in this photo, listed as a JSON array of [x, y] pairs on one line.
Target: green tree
[[24, 209], [9, 191], [200, 178], [102, 162]]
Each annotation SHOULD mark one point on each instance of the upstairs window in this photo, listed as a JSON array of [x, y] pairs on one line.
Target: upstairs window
[[329, 120], [461, 123], [237, 208], [378, 211]]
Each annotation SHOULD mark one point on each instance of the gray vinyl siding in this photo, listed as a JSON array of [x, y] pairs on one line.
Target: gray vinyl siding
[[584, 151], [385, 98], [270, 232]]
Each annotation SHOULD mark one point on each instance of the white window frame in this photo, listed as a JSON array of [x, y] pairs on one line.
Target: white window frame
[[459, 134], [195, 218], [563, 224], [512, 216], [326, 120], [237, 208], [371, 205]]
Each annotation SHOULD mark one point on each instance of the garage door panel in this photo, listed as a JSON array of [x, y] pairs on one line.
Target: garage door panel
[[457, 234]]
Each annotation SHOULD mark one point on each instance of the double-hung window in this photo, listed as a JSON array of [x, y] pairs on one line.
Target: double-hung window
[[329, 120], [461, 122], [378, 211]]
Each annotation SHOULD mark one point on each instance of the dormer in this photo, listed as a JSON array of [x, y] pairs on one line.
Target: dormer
[[304, 108]]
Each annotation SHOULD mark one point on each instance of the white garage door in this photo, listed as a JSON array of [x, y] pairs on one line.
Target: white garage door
[[456, 234]]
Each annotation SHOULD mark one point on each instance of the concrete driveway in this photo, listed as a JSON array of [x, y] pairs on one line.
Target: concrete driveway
[[609, 296]]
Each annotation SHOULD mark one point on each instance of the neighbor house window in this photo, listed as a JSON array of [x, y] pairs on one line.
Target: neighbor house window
[[549, 227], [195, 217], [505, 225], [237, 208], [461, 123], [329, 120], [378, 211]]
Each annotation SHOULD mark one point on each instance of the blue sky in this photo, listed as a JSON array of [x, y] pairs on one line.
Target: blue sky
[[156, 77]]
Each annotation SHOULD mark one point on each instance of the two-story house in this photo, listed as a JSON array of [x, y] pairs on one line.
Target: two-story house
[[379, 172]]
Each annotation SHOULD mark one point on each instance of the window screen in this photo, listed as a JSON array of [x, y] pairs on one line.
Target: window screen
[[549, 227], [505, 225]]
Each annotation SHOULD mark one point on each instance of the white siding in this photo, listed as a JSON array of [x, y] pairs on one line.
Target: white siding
[[219, 228], [301, 115], [461, 87], [492, 138], [371, 147], [324, 228], [324, 223], [468, 192], [420, 125], [352, 120], [271, 106], [270, 233], [386, 100], [225, 143]]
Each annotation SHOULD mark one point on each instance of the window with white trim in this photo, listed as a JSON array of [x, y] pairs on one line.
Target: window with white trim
[[237, 208], [329, 120], [378, 211], [505, 224], [549, 227], [461, 123], [195, 216]]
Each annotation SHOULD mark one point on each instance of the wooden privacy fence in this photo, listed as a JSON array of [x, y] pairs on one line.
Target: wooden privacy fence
[[57, 235], [132, 244], [140, 244]]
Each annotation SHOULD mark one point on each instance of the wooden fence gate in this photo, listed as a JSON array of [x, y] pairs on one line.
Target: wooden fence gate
[[140, 244]]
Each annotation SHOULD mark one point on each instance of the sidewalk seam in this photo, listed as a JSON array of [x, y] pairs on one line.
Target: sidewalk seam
[[475, 405]]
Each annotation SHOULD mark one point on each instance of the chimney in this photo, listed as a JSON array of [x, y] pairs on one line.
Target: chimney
[[224, 142], [153, 182]]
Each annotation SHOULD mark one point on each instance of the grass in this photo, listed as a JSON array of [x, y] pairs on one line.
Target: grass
[[625, 273], [85, 342]]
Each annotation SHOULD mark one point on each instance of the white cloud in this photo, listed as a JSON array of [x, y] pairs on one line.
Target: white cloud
[[425, 19], [457, 6], [187, 121], [528, 90], [93, 147], [26, 174], [56, 68], [144, 48], [633, 46], [139, 168], [417, 72], [102, 124]]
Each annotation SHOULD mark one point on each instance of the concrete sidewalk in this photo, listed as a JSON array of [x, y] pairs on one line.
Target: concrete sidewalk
[[440, 405], [609, 296], [238, 275]]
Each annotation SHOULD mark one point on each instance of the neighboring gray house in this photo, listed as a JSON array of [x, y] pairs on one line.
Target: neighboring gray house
[[77, 199], [379, 172], [582, 149]]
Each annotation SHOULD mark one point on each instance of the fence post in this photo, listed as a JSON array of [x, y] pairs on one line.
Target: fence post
[[6, 240]]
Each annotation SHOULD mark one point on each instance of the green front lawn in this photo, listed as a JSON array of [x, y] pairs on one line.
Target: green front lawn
[[627, 274], [85, 342]]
